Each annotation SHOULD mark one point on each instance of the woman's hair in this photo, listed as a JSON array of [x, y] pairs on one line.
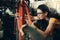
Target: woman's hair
[[44, 8]]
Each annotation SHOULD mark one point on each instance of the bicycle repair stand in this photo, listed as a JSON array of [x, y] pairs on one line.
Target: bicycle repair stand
[[22, 7]]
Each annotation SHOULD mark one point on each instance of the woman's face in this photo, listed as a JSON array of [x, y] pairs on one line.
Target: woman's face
[[40, 14]]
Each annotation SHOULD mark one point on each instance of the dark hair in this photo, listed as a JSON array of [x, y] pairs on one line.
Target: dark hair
[[44, 8]]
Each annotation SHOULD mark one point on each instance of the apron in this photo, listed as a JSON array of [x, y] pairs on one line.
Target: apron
[[32, 34]]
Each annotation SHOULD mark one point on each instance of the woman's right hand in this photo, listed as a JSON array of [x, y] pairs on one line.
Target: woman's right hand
[[21, 29]]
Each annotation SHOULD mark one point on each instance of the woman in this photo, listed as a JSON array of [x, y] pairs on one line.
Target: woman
[[45, 24]]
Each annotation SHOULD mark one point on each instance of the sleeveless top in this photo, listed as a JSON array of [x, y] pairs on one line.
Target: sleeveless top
[[41, 24]]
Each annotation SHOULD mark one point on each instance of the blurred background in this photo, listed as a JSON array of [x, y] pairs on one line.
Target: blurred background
[[8, 9]]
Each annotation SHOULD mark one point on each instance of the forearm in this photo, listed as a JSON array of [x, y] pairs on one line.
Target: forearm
[[43, 33], [21, 29], [46, 32]]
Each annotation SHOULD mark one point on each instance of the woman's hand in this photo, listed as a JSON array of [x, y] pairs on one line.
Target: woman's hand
[[30, 25], [21, 29]]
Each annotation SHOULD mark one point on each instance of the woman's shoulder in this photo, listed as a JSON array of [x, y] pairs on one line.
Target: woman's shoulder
[[52, 20]]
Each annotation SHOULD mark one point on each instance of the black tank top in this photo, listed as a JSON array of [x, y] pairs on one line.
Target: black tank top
[[41, 24]]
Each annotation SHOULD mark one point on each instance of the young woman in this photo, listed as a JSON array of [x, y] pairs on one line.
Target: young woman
[[44, 23]]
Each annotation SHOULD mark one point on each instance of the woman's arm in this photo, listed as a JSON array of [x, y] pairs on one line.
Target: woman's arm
[[48, 29], [22, 33]]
